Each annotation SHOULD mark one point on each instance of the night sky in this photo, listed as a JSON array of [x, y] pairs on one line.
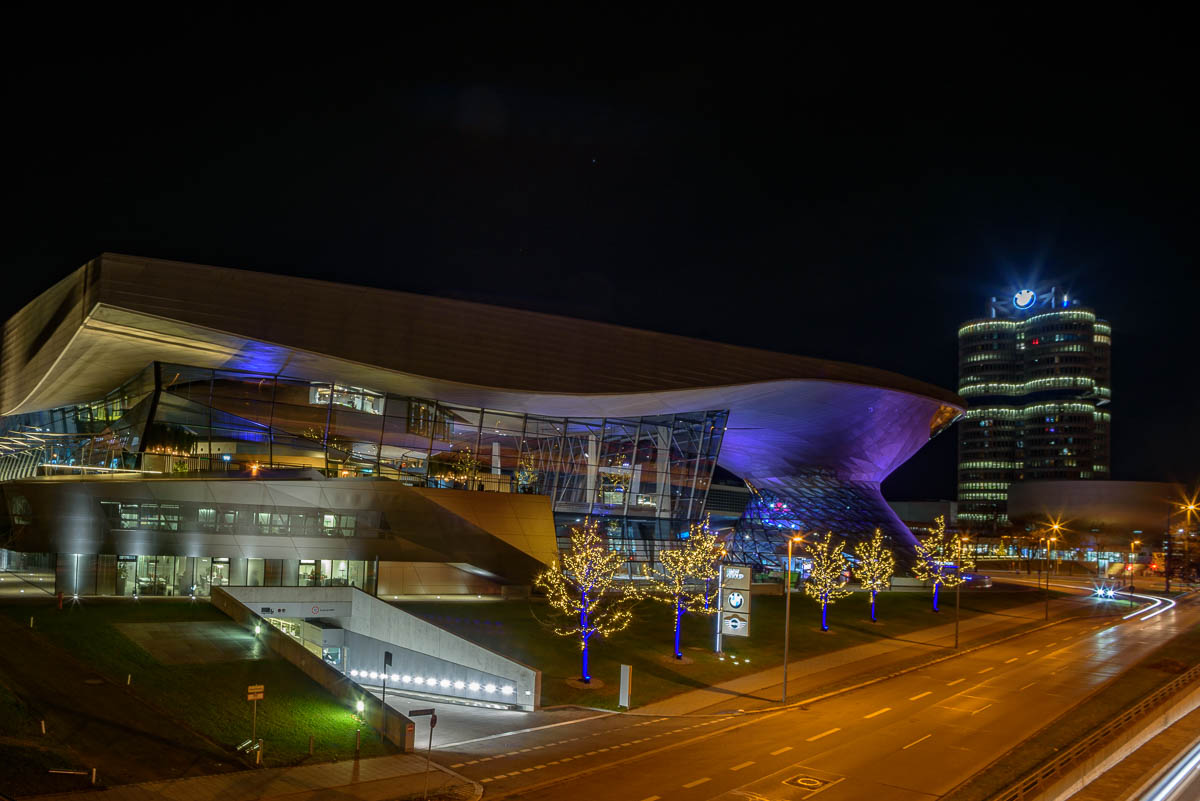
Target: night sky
[[842, 194]]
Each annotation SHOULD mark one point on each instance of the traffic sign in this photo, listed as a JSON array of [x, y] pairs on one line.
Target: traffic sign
[[254, 696], [255, 692]]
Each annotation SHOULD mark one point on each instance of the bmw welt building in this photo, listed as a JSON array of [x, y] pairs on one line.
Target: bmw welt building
[[169, 427]]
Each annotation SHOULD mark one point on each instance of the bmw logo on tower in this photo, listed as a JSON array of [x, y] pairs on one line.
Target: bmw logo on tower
[[1024, 299]]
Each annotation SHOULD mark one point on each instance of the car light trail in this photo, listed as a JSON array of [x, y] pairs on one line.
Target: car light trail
[[1167, 785]]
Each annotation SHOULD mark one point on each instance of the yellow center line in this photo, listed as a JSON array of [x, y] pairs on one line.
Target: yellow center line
[[914, 742], [877, 712], [919, 696], [823, 734], [696, 783], [783, 750]]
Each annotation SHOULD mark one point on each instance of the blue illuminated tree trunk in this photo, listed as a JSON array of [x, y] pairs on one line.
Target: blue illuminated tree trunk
[[873, 620], [824, 611], [583, 625], [936, 584], [679, 609]]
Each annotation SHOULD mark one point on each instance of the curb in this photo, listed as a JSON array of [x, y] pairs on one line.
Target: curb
[[464, 779]]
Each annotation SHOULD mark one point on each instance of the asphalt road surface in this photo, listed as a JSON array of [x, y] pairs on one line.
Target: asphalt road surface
[[915, 736]]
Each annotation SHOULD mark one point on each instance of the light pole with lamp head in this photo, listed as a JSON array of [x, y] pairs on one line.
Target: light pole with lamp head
[[1129, 570], [1049, 544], [787, 611]]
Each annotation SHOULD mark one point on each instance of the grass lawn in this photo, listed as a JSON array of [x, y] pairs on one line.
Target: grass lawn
[[517, 629], [210, 698], [24, 768], [1152, 672]]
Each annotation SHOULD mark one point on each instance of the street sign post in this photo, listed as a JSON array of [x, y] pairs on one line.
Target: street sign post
[[420, 713], [734, 614], [255, 693]]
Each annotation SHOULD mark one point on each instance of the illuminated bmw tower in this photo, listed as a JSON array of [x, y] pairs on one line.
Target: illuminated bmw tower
[[1036, 376]]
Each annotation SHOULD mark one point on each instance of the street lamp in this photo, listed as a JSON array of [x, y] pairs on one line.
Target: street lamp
[[958, 588], [1049, 544], [787, 611], [1056, 528]]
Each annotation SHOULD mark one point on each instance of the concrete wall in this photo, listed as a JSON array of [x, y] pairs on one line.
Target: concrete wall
[[397, 728], [418, 648]]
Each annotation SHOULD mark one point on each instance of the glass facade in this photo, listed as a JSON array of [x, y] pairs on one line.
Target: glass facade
[[648, 475], [1035, 387], [196, 575], [813, 501]]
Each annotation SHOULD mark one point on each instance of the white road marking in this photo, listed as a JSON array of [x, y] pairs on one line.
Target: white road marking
[[977, 711], [877, 712], [485, 781], [1027, 686], [1031, 653], [696, 783], [652, 798], [956, 681], [743, 765], [1010, 661], [457, 765], [823, 734], [921, 695], [783, 750], [914, 742], [535, 728], [986, 669], [1051, 645]]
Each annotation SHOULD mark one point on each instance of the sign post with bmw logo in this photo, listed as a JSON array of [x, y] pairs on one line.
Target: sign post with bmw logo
[[733, 616]]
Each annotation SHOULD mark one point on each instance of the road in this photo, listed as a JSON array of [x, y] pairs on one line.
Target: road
[[915, 736]]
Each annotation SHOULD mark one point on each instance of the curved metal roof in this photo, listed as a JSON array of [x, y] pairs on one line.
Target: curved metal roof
[[117, 313]]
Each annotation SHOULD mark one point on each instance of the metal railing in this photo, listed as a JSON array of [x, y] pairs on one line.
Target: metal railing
[[1034, 781]]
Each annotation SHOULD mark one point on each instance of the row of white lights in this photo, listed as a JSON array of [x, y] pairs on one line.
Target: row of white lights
[[473, 686]]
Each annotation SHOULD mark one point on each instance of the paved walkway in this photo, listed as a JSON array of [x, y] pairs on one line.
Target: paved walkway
[[806, 675], [379, 779]]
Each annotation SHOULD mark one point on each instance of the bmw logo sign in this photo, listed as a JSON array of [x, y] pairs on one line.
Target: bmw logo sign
[[1024, 299], [736, 599]]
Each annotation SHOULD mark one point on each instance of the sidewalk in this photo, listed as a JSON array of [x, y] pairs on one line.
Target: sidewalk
[[379, 779], [806, 675]]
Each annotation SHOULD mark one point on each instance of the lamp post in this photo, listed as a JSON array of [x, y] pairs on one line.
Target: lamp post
[[957, 590], [1057, 529], [1049, 544], [787, 612], [1187, 508]]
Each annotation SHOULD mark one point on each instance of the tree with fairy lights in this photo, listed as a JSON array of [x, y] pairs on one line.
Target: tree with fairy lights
[[942, 559], [686, 575], [581, 585], [876, 565], [826, 583]]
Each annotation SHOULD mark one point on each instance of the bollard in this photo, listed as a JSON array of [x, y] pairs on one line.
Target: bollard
[[31, 621], [43, 727], [128, 679], [310, 745], [357, 741], [93, 775], [258, 753]]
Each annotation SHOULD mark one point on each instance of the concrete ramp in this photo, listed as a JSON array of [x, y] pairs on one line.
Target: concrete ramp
[[425, 658]]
